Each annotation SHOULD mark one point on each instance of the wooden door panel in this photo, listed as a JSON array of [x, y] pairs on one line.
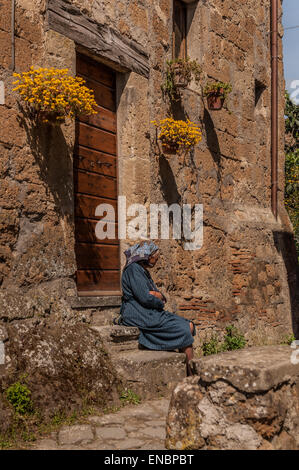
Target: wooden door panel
[[96, 162], [98, 185], [91, 255], [85, 206], [104, 119], [103, 95], [96, 139], [95, 71], [94, 280], [86, 231], [95, 182]]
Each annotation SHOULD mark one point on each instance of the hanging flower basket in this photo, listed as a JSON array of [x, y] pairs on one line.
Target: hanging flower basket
[[216, 94], [215, 100], [169, 149], [51, 95], [51, 118], [177, 136], [178, 75], [179, 79]]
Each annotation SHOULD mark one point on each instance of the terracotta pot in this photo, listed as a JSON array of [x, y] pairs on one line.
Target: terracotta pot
[[50, 117], [215, 99], [169, 149], [179, 80]]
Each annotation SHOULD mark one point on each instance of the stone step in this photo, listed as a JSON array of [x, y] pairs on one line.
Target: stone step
[[103, 309], [118, 338], [105, 316], [150, 373]]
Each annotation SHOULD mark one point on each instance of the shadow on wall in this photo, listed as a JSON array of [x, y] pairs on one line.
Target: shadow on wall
[[54, 158], [178, 111], [168, 183], [213, 143], [122, 79], [285, 245]]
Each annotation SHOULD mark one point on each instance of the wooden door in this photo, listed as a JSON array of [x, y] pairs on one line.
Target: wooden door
[[95, 182]]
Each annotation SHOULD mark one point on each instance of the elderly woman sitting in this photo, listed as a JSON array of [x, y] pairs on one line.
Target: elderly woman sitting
[[143, 305]]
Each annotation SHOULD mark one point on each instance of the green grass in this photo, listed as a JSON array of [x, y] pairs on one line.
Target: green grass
[[129, 397], [211, 347], [288, 339], [233, 340]]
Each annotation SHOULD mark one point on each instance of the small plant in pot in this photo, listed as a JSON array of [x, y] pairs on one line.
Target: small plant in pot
[[51, 94], [216, 93], [177, 135], [179, 74]]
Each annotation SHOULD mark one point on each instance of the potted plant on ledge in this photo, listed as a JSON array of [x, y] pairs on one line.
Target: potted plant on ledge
[[216, 93], [179, 74], [51, 94], [177, 135]]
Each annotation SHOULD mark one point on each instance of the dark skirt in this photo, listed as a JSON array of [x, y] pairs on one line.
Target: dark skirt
[[162, 330]]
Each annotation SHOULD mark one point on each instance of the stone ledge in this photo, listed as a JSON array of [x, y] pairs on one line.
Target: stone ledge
[[150, 356], [117, 333], [96, 301], [250, 369]]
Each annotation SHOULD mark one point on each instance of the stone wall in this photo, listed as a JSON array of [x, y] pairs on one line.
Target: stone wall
[[240, 400], [244, 272]]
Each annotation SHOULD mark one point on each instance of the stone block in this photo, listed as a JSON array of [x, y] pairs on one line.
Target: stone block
[[46, 444], [129, 444], [138, 15], [5, 45], [28, 27], [5, 18], [65, 365], [150, 373], [110, 432], [246, 399], [75, 434], [154, 432]]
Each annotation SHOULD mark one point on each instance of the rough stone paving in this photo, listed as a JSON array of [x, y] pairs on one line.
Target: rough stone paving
[[133, 427]]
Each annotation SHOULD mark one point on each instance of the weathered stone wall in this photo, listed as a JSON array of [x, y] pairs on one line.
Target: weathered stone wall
[[245, 271], [36, 180], [240, 400], [65, 368]]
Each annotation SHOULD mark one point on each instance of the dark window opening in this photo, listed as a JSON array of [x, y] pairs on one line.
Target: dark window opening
[[179, 42], [259, 88]]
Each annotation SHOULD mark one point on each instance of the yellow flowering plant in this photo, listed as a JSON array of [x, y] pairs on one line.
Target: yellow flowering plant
[[51, 94], [177, 134]]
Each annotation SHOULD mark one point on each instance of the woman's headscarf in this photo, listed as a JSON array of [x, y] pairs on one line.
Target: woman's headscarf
[[140, 251]]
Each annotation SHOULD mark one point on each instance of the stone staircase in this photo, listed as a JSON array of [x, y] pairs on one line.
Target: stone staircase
[[148, 373]]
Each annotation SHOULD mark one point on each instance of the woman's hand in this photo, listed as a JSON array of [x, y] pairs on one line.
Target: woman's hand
[[158, 294]]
